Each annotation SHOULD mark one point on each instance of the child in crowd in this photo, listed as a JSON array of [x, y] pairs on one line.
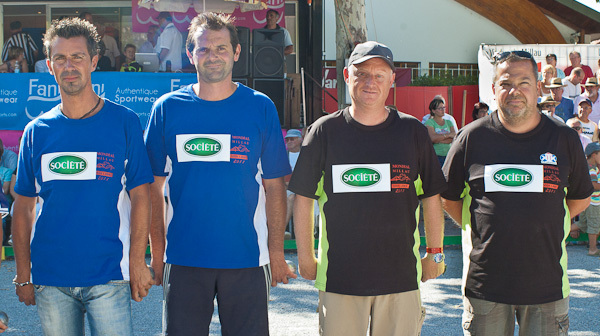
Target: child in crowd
[[589, 219]]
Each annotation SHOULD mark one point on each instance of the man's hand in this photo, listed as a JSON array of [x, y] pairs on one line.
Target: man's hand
[[3, 327], [280, 271], [26, 294], [308, 267], [158, 266], [140, 281], [431, 269]]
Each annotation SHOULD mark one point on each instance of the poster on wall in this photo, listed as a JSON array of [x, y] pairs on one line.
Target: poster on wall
[[145, 13], [590, 54]]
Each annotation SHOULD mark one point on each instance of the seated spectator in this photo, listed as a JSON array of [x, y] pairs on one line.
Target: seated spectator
[[130, 65], [575, 58], [41, 66], [441, 131], [8, 158], [548, 72], [565, 107], [151, 39], [552, 60], [103, 61], [573, 83], [548, 107], [575, 124], [591, 93], [589, 128], [16, 58], [480, 110]]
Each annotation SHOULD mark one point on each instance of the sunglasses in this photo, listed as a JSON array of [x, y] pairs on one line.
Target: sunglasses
[[500, 57]]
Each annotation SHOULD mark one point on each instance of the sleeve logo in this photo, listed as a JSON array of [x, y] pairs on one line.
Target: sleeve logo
[[69, 166], [361, 178]]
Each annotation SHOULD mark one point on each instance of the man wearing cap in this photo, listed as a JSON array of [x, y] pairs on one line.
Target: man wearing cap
[[293, 142], [591, 93], [514, 204], [565, 107], [588, 127], [368, 188], [169, 44], [573, 83], [548, 107]]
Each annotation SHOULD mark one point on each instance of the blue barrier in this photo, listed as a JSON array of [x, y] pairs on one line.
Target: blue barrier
[[25, 96]]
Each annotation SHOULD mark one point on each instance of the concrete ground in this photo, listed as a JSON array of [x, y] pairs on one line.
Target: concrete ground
[[293, 306]]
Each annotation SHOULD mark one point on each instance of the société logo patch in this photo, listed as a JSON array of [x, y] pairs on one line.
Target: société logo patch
[[514, 178], [361, 178], [69, 166], [203, 147]]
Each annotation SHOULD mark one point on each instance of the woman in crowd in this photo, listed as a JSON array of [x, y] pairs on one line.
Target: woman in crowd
[[480, 110], [441, 131], [548, 72], [15, 54]]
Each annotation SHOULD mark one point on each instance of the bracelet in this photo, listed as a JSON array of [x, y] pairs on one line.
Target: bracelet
[[434, 250], [21, 284]]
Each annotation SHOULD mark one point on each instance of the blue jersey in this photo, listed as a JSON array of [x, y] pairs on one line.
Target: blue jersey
[[82, 171], [214, 155]]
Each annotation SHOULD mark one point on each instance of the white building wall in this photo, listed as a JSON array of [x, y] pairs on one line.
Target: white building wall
[[425, 30]]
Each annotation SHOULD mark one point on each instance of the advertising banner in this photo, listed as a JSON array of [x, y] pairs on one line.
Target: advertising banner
[[25, 96]]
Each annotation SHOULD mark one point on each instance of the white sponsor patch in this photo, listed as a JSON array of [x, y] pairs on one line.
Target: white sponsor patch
[[69, 166], [514, 178], [361, 178], [203, 147]]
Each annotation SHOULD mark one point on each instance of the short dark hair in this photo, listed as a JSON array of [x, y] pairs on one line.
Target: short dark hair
[[435, 103], [72, 27], [551, 56], [272, 10], [15, 25], [129, 45], [514, 56], [478, 106], [212, 21]]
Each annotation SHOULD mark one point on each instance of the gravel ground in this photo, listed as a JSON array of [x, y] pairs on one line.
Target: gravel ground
[[293, 306]]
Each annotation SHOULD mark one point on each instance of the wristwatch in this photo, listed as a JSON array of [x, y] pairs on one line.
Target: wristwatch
[[20, 284], [437, 254]]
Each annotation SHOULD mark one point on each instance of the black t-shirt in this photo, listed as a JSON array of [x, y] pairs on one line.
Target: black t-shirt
[[368, 180], [514, 210]]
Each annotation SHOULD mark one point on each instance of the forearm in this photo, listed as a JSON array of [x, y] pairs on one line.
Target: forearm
[[140, 223], [288, 50], [276, 206], [453, 209], [576, 206], [433, 217], [304, 227], [22, 223], [163, 54], [157, 222]]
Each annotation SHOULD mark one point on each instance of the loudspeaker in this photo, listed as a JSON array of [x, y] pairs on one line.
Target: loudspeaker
[[241, 68], [274, 89], [267, 53]]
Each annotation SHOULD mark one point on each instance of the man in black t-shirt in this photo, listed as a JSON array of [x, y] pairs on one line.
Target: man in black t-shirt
[[515, 179], [368, 166]]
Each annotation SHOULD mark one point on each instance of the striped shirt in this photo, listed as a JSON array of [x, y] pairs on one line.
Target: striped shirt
[[22, 40]]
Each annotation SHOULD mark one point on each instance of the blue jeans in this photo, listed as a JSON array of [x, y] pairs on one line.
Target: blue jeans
[[62, 309]]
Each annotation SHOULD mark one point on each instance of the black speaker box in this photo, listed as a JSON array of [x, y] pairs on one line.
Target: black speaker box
[[274, 89], [241, 68], [267, 53]]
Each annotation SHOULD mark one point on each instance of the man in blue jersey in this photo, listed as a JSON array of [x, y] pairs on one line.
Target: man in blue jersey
[[84, 251], [219, 148]]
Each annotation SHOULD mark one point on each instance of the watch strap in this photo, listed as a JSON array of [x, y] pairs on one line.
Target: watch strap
[[434, 250]]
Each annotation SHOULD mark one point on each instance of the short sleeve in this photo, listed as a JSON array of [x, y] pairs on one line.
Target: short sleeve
[[155, 141], [274, 160], [310, 165], [454, 169], [137, 170], [26, 184]]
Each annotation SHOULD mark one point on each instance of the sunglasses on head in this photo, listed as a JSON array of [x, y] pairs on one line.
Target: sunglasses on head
[[500, 57]]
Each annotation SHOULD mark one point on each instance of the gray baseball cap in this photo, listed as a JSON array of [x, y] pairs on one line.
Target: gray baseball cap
[[592, 148], [367, 50]]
